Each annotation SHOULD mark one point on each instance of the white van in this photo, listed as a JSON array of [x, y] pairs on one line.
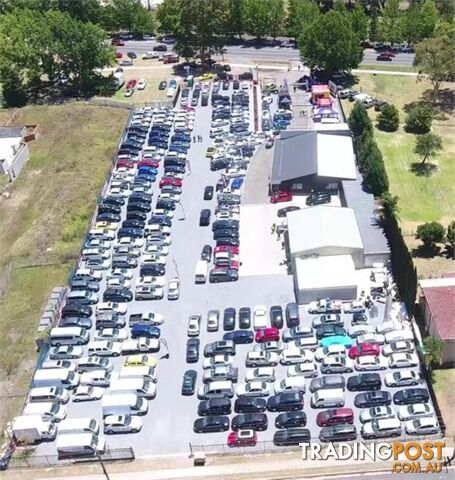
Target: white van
[[79, 425], [55, 377], [216, 389], [104, 348], [47, 410], [147, 373], [80, 444], [87, 274], [68, 336], [85, 297], [139, 386], [49, 394], [329, 398], [124, 404], [202, 270], [96, 378]]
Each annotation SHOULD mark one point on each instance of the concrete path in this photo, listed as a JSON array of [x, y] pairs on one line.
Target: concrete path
[[257, 178]]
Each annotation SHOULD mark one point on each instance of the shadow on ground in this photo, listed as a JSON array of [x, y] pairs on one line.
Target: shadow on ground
[[424, 169]]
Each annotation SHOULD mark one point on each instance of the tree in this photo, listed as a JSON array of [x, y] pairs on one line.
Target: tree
[[359, 121], [359, 22], [257, 16], [236, 22], [427, 145], [419, 119], [430, 233], [374, 27], [388, 119], [375, 175], [433, 349], [276, 18], [300, 14], [390, 25], [436, 58], [128, 15], [330, 43], [451, 235], [411, 23], [390, 205], [168, 16], [428, 16]]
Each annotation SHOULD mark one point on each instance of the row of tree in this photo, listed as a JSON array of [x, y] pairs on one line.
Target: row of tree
[[431, 233]]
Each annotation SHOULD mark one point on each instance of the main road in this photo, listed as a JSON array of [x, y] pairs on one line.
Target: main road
[[240, 54]]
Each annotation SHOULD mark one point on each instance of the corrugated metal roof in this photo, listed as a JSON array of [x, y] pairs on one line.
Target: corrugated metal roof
[[12, 132]]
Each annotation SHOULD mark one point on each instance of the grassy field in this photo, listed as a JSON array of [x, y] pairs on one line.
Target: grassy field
[[43, 222], [423, 198], [388, 68], [444, 386]]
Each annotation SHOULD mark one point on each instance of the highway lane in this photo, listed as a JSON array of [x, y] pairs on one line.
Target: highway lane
[[240, 54]]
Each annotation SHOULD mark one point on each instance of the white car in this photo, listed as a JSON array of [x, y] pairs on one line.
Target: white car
[[156, 249], [398, 360], [261, 359], [358, 330], [399, 335], [96, 264], [307, 369], [87, 393], [173, 289], [149, 281], [154, 228], [122, 424], [154, 258], [194, 326], [261, 374], [330, 351], [213, 320], [398, 347], [422, 426], [96, 378], [121, 272], [402, 378], [141, 345], [217, 360], [417, 410], [112, 334], [370, 363], [296, 383], [309, 343], [65, 352], [141, 84], [335, 364], [227, 216], [118, 282], [253, 389], [269, 347], [259, 317], [119, 308], [296, 355], [128, 92], [161, 211], [373, 338], [387, 327], [118, 192], [354, 307], [375, 413]]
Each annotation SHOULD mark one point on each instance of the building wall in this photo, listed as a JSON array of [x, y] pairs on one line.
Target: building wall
[[370, 259], [19, 161], [341, 293]]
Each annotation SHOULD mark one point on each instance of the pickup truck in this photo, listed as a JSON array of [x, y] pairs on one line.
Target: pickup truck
[[325, 306], [140, 345], [146, 318]]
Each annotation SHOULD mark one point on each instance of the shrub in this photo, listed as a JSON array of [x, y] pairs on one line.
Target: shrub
[[375, 175], [419, 119], [359, 121], [430, 233], [388, 119]]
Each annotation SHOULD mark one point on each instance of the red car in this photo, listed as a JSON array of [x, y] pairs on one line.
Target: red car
[[242, 438], [125, 163], [118, 55], [131, 84], [190, 109], [223, 263], [270, 334], [226, 248], [364, 349], [118, 43], [149, 163], [337, 416], [176, 182], [281, 197]]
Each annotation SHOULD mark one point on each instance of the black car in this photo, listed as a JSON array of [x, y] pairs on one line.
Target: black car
[[276, 316], [215, 406], [76, 310], [204, 218], [211, 424], [109, 208], [136, 215], [250, 405], [291, 436], [338, 433], [240, 337], [165, 205], [225, 224], [290, 419], [229, 319], [84, 284], [292, 315], [364, 382], [318, 198], [113, 201], [192, 350], [221, 347], [138, 206], [131, 55], [329, 331], [152, 270], [225, 233], [208, 193], [117, 294], [285, 402], [245, 317], [373, 399], [160, 220], [359, 319], [206, 253], [231, 241], [255, 421], [162, 85], [133, 223], [189, 382], [410, 396], [108, 217]]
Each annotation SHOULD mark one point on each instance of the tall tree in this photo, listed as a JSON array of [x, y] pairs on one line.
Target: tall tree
[[359, 22], [168, 16], [236, 22], [374, 27], [128, 15], [428, 16], [359, 121], [330, 43], [257, 17], [435, 58], [427, 145], [410, 24], [300, 14], [390, 25], [276, 18], [433, 348]]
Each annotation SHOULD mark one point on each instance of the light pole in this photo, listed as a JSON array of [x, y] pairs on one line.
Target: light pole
[[183, 211], [104, 468], [174, 261]]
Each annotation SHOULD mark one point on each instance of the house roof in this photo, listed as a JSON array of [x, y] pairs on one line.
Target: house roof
[[311, 230], [440, 297], [13, 131]]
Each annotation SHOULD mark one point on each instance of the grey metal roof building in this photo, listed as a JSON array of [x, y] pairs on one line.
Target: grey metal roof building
[[376, 248]]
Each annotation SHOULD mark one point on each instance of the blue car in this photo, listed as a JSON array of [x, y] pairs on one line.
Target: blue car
[[240, 336], [337, 340], [178, 149], [172, 83], [147, 331], [236, 183], [146, 176], [147, 170]]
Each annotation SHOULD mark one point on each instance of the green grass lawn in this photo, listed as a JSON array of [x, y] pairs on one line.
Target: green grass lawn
[[388, 68], [444, 386]]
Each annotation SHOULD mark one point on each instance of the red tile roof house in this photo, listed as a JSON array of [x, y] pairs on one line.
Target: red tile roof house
[[437, 303]]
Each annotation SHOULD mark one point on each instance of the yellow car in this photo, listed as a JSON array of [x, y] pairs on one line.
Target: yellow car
[[210, 152], [206, 76], [140, 361], [106, 225]]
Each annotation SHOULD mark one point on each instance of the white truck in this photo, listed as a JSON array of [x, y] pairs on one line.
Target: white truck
[[30, 429], [325, 305], [142, 387], [124, 404], [55, 377], [141, 344], [119, 80], [202, 269], [80, 445]]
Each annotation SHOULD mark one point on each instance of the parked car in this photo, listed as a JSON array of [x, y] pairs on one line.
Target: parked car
[[211, 424], [411, 395], [189, 382], [373, 399]]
